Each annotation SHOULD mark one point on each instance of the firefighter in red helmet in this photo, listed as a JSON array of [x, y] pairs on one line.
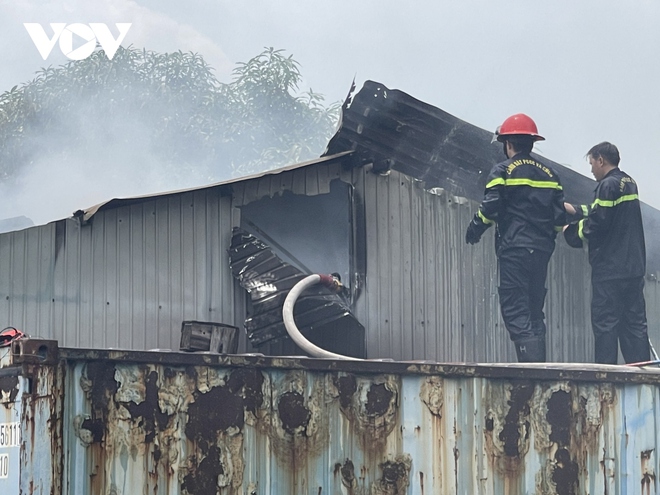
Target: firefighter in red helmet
[[525, 202]]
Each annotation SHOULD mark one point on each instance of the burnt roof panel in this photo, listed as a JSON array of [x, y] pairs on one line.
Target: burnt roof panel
[[429, 144]]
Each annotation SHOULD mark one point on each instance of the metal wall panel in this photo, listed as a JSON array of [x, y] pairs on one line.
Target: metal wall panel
[[179, 423], [428, 295], [130, 277], [309, 180], [125, 280]]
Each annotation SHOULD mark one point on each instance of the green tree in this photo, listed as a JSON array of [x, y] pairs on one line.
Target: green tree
[[172, 106]]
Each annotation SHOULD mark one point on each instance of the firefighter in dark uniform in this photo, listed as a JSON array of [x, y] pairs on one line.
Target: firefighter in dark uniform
[[612, 228], [524, 199]]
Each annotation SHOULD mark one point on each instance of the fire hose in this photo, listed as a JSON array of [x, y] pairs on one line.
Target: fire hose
[[331, 283]]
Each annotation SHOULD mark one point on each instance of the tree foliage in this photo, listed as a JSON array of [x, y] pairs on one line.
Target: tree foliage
[[170, 104]]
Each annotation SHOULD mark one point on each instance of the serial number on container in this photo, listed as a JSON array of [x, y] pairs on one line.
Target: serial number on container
[[4, 466], [10, 435]]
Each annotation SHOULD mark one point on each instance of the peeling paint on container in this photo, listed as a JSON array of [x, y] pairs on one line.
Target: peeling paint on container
[[11, 389], [119, 423]]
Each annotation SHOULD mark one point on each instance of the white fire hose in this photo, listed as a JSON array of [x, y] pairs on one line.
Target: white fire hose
[[287, 314]]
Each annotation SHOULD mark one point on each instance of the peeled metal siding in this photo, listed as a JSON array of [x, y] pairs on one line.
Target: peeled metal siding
[[127, 279], [122, 423], [310, 181]]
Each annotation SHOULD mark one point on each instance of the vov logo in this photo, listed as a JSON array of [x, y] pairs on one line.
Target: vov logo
[[89, 33]]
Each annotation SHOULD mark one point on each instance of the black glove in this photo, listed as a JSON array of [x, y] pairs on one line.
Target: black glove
[[474, 232]]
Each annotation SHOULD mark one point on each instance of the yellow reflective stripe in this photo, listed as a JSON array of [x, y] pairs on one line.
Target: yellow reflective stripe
[[495, 182], [585, 210], [533, 183], [580, 230], [483, 218], [542, 184], [607, 203]]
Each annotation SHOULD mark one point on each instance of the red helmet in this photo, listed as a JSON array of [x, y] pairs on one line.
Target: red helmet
[[518, 125]]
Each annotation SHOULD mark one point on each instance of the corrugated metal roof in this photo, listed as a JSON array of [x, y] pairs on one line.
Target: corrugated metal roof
[[88, 213]]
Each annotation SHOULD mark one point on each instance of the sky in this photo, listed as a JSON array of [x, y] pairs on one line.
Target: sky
[[585, 71]]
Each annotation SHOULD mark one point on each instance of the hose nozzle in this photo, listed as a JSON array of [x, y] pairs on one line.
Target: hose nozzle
[[332, 282]]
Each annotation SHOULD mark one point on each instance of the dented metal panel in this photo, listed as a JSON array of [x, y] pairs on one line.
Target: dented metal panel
[[117, 422]]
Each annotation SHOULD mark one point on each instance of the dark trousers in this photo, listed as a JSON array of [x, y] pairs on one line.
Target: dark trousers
[[522, 292], [618, 317]]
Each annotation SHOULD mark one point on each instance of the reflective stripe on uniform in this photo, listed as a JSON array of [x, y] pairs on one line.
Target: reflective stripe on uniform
[[609, 203], [495, 182], [580, 230], [533, 183], [585, 210], [483, 218], [523, 182]]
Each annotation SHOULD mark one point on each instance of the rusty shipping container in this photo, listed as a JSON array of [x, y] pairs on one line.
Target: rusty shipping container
[[111, 422]]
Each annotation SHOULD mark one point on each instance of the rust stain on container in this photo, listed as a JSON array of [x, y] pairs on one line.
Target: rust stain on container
[[594, 408], [8, 389], [215, 423], [566, 419], [346, 386], [347, 471], [99, 384], [371, 406], [144, 403], [560, 418], [293, 413], [298, 424], [152, 418], [379, 398], [395, 476], [516, 423], [206, 418], [648, 472], [432, 394], [204, 479], [507, 425]]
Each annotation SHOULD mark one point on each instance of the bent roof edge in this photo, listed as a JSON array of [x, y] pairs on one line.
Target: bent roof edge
[[88, 213]]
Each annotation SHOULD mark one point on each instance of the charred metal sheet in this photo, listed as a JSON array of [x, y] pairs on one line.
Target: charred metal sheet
[[394, 131], [268, 280]]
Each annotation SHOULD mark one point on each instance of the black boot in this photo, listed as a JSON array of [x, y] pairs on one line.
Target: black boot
[[531, 350]]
